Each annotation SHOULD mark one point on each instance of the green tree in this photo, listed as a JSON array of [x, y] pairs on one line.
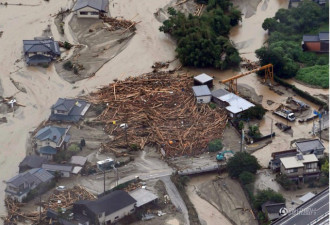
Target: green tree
[[246, 177], [269, 24], [215, 145], [240, 162], [325, 168], [284, 181], [267, 195], [254, 131]]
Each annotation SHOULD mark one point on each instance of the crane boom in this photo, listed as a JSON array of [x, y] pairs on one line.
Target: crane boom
[[233, 80]]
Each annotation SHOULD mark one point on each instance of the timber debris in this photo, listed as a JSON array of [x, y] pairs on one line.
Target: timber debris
[[159, 108], [117, 24]]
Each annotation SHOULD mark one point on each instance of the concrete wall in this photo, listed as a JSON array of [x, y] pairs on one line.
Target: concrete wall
[[90, 11], [120, 214], [203, 99]]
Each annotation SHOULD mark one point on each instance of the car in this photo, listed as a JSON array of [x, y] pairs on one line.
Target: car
[[60, 188]]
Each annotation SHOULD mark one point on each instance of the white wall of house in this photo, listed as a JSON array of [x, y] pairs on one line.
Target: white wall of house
[[87, 12], [46, 143], [117, 215], [203, 99]]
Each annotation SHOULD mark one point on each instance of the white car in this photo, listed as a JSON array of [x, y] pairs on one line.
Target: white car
[[60, 188]]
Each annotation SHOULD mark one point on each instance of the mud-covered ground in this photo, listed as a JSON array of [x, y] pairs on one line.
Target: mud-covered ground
[[97, 46]]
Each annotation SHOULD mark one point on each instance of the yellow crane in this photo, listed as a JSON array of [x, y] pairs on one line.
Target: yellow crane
[[233, 80]]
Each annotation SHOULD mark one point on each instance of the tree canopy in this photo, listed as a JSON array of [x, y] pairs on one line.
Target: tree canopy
[[240, 162], [267, 195], [286, 30], [203, 41]]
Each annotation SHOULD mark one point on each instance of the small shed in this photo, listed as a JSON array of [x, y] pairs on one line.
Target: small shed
[[64, 170], [273, 210], [78, 160], [202, 93], [203, 79], [142, 196]]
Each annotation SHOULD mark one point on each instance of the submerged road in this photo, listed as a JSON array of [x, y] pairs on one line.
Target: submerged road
[[314, 211]]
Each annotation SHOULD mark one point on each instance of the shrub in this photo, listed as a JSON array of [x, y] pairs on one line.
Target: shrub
[[246, 177], [241, 125], [212, 105], [240, 162], [215, 145], [284, 181], [68, 65], [67, 45], [315, 75], [256, 112], [324, 181], [267, 195], [254, 131]]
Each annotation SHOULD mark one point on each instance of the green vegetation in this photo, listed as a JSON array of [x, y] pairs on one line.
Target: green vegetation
[[215, 145], [284, 181], [315, 75], [241, 125], [65, 155], [286, 30], [203, 41], [212, 105], [325, 168], [254, 131], [240, 162], [246, 177], [267, 195], [256, 112], [68, 66]]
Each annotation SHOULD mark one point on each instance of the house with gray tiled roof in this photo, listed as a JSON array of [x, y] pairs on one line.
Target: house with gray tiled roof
[[69, 110], [31, 162], [90, 8], [20, 185], [311, 147], [40, 50], [48, 140]]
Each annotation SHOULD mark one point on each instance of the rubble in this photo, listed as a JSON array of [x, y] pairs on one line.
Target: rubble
[[117, 24], [160, 109]]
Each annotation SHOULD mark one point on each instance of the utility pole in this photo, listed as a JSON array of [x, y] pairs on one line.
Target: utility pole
[[39, 207], [271, 130], [242, 140], [103, 180], [320, 126]]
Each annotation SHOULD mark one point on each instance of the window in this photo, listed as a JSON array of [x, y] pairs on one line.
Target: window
[[294, 170], [83, 13], [94, 13], [117, 217]]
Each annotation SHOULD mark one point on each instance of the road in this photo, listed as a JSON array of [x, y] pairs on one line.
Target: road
[[176, 198], [315, 211]]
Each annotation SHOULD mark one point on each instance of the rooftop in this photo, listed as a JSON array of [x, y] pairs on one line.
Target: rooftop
[[202, 90], [101, 5], [272, 207], [203, 78], [293, 162], [78, 160], [220, 92], [236, 103], [48, 150], [57, 167], [51, 133], [44, 45], [142, 196], [322, 36], [305, 146], [109, 203], [33, 161], [75, 108], [36, 176]]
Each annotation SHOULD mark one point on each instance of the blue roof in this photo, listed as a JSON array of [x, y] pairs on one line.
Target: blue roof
[[50, 133], [47, 150], [36, 59], [75, 108], [36, 176], [45, 46], [101, 5]]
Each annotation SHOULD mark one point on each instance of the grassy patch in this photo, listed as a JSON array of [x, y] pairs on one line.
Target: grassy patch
[[315, 75]]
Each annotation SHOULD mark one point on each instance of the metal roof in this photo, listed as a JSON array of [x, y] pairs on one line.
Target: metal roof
[[33, 161], [219, 93], [78, 160], [49, 150], [45, 46], [307, 196], [101, 5], [236, 103], [57, 167], [76, 109], [203, 78], [324, 36], [293, 162], [311, 38], [36, 176], [142, 196], [202, 90], [76, 169], [306, 146]]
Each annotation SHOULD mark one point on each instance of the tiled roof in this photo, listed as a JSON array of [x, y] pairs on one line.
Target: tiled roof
[[101, 5]]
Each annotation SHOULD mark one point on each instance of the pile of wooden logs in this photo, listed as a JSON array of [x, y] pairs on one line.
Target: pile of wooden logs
[[59, 199], [159, 108], [117, 24]]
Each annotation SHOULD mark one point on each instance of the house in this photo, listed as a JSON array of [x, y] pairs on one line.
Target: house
[[272, 210], [143, 197], [300, 167], [107, 209], [19, 186], [233, 103], [40, 50], [311, 147], [203, 79], [275, 162], [69, 110], [202, 93], [64, 170], [91, 8], [31, 162], [48, 140], [316, 43]]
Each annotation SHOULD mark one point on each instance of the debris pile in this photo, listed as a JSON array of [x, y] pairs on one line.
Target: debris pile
[[158, 108], [249, 65], [117, 24], [59, 199]]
